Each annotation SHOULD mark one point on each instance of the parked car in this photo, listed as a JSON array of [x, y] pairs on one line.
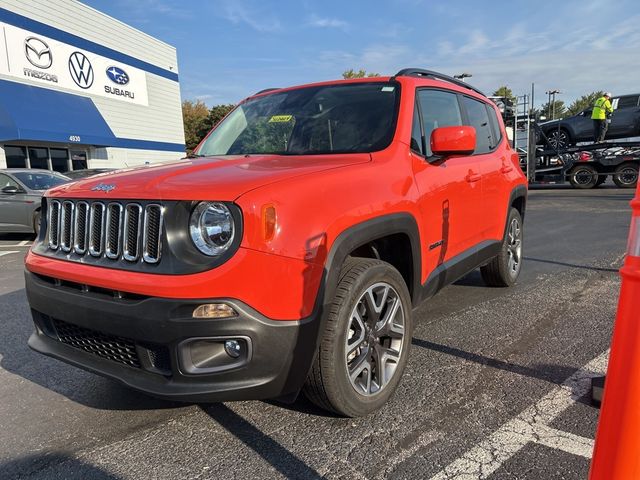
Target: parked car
[[20, 194], [290, 255], [625, 122], [86, 172]]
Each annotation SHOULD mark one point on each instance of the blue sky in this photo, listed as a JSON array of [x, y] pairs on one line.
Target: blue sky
[[229, 49]]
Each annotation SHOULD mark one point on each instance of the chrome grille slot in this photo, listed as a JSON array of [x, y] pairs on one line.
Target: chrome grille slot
[[66, 226], [152, 246], [53, 220], [93, 231], [80, 228], [96, 228], [113, 234], [132, 230]]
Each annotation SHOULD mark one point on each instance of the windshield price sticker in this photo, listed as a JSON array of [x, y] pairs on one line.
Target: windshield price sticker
[[280, 118]]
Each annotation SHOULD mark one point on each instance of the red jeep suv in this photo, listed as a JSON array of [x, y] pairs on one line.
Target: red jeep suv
[[288, 252]]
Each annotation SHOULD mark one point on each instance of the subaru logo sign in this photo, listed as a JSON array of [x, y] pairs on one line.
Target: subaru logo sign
[[103, 187], [117, 75], [81, 70]]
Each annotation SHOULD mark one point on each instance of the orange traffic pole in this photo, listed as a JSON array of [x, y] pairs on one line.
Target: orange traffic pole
[[616, 455]]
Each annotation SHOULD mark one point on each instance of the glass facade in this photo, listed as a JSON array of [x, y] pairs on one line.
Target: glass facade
[[53, 158]]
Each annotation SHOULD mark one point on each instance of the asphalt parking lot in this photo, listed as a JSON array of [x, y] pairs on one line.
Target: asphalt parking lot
[[496, 387]]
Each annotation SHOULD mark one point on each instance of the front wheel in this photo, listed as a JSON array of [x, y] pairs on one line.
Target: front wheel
[[365, 344], [503, 270], [626, 175]]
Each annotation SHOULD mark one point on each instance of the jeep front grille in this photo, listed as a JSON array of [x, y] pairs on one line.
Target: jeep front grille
[[125, 231]]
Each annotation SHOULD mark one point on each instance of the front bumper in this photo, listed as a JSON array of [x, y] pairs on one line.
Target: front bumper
[[144, 342]]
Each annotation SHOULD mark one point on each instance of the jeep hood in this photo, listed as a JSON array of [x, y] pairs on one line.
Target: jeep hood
[[208, 178]]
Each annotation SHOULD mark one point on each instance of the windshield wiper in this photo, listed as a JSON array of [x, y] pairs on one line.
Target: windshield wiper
[[194, 155]]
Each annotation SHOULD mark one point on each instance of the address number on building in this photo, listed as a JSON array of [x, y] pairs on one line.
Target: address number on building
[[74, 138]]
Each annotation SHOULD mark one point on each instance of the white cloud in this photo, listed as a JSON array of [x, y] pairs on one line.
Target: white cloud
[[237, 13], [325, 22]]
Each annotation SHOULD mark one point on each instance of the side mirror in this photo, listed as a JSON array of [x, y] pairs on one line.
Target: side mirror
[[10, 190], [446, 141]]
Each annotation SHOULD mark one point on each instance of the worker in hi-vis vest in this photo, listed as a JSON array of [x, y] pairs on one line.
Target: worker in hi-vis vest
[[602, 110]]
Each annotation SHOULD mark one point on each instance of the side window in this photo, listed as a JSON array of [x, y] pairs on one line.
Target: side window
[[416, 132], [439, 109], [7, 181], [628, 101], [478, 118], [495, 126]]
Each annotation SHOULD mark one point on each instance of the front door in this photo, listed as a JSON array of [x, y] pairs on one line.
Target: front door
[[450, 189], [624, 121]]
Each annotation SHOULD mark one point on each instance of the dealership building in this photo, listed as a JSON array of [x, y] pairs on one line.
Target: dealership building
[[79, 89]]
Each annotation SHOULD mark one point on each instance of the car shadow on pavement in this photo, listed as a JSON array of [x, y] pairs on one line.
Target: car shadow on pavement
[[55, 465], [279, 457], [572, 265], [75, 384], [556, 374]]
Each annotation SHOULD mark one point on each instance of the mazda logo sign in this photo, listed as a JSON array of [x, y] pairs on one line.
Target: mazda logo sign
[[38, 52], [81, 70]]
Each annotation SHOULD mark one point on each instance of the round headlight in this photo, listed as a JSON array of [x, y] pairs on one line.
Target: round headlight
[[211, 227]]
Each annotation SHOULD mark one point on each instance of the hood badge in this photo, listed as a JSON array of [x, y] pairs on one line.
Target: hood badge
[[103, 187]]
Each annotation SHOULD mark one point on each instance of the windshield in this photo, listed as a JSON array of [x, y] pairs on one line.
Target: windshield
[[358, 117], [40, 181]]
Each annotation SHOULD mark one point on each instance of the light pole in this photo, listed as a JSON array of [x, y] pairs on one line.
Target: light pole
[[552, 103], [462, 76]]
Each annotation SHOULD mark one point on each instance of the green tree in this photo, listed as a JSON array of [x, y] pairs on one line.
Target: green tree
[[554, 110], [351, 73], [584, 102], [195, 118], [506, 92], [217, 113]]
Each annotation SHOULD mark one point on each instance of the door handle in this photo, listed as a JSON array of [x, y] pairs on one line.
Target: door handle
[[506, 168], [472, 176]]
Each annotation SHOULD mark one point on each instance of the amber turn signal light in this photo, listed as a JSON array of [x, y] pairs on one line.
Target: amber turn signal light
[[269, 220]]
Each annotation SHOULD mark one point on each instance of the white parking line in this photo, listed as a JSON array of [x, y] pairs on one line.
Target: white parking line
[[2, 254], [531, 426], [24, 243]]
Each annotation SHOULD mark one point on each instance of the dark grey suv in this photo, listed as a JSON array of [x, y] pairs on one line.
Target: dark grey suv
[[625, 122], [20, 192]]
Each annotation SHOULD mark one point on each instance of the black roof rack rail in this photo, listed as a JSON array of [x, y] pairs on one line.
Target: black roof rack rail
[[266, 90], [419, 72]]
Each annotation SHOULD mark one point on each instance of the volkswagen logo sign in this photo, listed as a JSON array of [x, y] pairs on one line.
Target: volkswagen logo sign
[[81, 70], [103, 187], [38, 52], [117, 75]]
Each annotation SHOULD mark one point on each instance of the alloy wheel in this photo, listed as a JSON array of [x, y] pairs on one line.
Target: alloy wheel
[[374, 342], [514, 246]]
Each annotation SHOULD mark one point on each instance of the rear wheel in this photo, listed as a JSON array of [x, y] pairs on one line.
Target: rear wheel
[[504, 269], [626, 175], [365, 345], [583, 176]]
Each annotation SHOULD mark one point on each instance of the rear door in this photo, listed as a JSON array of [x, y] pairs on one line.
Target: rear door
[[625, 118], [492, 163], [450, 188]]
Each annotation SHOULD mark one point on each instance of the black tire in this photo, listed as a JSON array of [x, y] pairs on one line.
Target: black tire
[[559, 138], [583, 176], [329, 385], [501, 271], [37, 216], [626, 175]]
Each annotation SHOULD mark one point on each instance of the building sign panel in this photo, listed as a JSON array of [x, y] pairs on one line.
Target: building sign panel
[[39, 59]]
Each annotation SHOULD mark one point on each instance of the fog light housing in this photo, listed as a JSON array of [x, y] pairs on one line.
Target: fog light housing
[[233, 348], [214, 310]]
